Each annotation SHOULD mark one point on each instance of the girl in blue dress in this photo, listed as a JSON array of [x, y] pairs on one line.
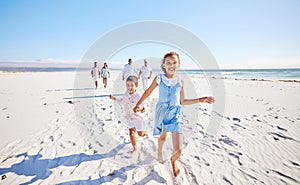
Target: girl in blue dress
[[105, 74], [168, 115]]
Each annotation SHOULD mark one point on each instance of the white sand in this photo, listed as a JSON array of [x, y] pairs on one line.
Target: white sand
[[44, 140]]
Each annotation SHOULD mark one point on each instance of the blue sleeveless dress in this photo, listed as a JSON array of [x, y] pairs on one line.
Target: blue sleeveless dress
[[168, 115]]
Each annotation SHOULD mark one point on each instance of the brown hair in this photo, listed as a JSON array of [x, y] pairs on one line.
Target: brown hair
[[105, 65], [133, 79], [171, 53]]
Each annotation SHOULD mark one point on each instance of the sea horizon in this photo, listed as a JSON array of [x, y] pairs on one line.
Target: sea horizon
[[263, 73]]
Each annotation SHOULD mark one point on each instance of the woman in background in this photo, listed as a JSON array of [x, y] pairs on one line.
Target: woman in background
[[105, 74]]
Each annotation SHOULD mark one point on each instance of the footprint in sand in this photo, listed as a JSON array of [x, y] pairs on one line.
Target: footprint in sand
[[290, 120], [228, 141], [238, 125], [254, 116], [294, 163], [145, 175], [237, 156], [3, 177], [215, 145], [226, 180], [261, 121], [236, 119], [277, 135], [67, 144], [283, 129], [51, 138], [284, 177]]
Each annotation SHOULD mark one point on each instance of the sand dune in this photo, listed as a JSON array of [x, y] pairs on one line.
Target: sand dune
[[51, 135]]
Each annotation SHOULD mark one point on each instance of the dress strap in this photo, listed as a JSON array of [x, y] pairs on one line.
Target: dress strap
[[158, 79]]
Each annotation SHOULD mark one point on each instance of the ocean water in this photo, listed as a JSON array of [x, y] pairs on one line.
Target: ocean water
[[281, 74], [267, 74]]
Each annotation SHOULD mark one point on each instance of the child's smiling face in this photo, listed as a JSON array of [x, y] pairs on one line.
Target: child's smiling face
[[171, 64], [131, 87]]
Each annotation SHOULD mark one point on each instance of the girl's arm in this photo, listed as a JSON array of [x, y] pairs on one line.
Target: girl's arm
[[145, 95], [183, 101], [112, 97], [120, 100]]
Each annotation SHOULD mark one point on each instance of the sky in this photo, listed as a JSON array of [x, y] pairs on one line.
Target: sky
[[239, 34]]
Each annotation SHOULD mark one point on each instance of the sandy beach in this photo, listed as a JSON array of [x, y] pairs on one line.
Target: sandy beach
[[46, 140]]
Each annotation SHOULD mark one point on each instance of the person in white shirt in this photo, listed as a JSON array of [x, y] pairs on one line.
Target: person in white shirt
[[145, 73], [95, 72], [128, 70], [135, 120]]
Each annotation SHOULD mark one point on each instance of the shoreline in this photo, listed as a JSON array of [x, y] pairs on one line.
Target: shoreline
[[191, 75]]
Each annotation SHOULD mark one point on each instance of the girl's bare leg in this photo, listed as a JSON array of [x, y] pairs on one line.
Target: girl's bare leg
[[161, 141], [177, 147], [132, 139], [105, 82]]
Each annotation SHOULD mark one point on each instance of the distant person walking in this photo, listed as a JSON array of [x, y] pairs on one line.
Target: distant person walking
[[95, 72], [105, 74], [145, 73], [128, 69]]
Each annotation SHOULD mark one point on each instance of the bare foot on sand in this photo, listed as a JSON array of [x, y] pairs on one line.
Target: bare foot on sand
[[133, 151], [176, 170]]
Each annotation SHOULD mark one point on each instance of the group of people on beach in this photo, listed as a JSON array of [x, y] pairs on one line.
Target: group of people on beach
[[144, 73], [168, 112], [97, 73]]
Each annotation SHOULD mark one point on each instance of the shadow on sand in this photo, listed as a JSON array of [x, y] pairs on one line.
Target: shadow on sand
[[95, 96], [40, 169]]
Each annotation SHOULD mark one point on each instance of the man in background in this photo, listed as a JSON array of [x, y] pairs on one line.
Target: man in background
[[95, 72], [145, 73], [128, 69]]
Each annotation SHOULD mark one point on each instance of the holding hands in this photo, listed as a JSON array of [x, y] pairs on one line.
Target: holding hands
[[138, 109], [209, 99]]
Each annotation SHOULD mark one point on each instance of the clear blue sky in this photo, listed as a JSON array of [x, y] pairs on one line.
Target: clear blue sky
[[238, 33]]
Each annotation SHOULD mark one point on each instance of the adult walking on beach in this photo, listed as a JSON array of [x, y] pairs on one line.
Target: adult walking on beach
[[95, 72], [145, 73], [128, 69], [105, 74]]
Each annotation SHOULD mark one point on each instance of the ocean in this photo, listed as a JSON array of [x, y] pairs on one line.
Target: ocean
[[267, 74]]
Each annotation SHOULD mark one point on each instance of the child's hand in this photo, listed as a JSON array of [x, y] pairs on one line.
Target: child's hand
[[209, 99], [135, 109], [138, 109], [111, 97]]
